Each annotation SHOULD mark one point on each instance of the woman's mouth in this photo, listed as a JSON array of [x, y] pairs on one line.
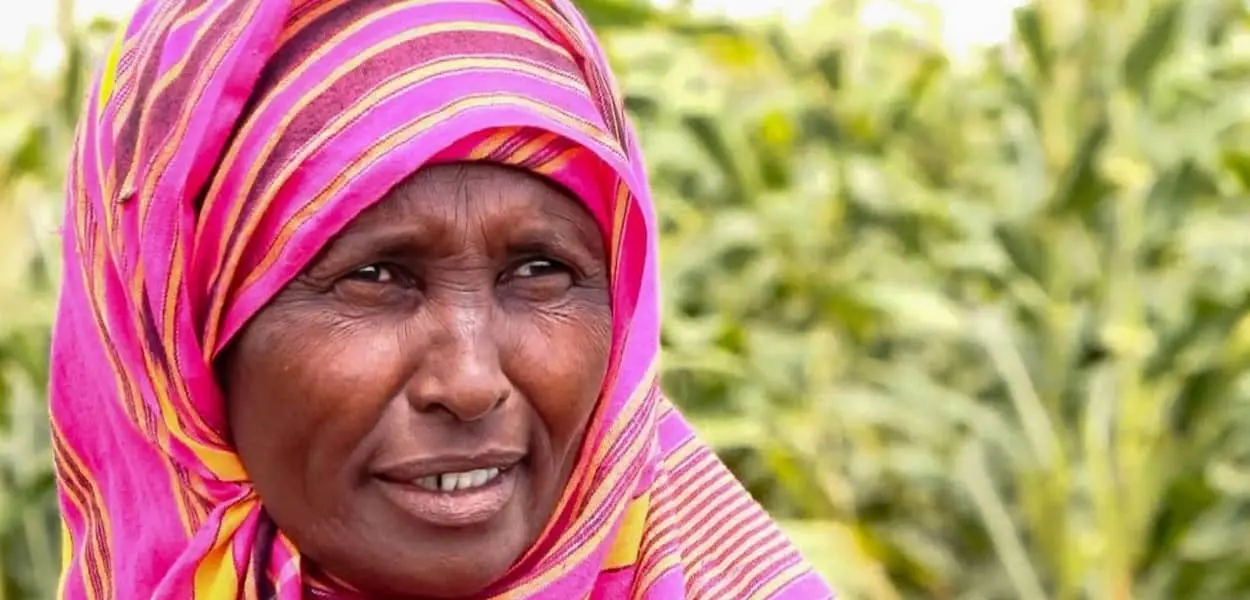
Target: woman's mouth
[[465, 480], [452, 495]]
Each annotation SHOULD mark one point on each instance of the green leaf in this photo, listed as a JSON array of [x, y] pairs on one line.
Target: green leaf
[[30, 157], [1152, 45], [1031, 30], [1080, 187], [616, 14]]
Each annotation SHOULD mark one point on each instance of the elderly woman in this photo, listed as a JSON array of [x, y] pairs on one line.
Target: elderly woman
[[360, 302]]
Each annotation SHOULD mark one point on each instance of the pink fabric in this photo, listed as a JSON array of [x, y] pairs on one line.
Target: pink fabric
[[225, 142]]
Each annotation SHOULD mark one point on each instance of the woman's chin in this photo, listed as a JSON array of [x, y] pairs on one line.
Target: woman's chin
[[451, 584], [448, 578], [442, 562]]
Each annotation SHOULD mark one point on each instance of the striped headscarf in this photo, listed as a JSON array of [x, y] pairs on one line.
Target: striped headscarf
[[223, 144]]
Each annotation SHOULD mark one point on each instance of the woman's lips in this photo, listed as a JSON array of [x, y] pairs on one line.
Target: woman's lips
[[456, 508], [452, 491]]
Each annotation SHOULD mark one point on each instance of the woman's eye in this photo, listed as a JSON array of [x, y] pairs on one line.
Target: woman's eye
[[539, 268], [539, 280], [377, 285], [373, 274]]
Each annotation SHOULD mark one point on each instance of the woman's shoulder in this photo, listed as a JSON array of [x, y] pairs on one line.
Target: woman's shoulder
[[700, 516]]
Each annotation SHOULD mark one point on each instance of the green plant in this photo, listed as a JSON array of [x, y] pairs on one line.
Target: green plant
[[981, 324]]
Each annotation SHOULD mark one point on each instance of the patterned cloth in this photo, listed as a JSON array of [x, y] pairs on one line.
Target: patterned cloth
[[223, 144]]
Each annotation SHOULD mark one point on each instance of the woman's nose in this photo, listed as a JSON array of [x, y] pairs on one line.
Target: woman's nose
[[460, 370]]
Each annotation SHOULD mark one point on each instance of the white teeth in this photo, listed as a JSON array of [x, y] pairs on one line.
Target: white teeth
[[450, 482], [464, 481], [429, 483]]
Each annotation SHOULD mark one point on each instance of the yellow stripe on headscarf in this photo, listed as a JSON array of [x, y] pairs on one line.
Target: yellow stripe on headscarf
[[67, 556], [628, 541], [108, 77], [217, 575]]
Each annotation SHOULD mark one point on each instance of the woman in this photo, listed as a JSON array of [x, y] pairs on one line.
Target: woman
[[360, 302]]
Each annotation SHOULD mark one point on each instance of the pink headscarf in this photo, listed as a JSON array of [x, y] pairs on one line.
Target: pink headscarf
[[224, 143]]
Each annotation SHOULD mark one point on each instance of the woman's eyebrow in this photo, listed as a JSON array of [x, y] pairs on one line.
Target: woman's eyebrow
[[549, 236], [398, 235]]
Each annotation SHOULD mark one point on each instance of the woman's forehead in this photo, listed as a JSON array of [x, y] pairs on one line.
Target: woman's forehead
[[489, 199]]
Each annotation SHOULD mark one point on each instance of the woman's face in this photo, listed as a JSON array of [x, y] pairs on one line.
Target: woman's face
[[410, 407]]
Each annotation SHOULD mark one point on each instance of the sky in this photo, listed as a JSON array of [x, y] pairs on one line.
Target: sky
[[966, 23]]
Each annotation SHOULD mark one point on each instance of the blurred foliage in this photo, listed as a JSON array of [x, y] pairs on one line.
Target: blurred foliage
[[970, 326]]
